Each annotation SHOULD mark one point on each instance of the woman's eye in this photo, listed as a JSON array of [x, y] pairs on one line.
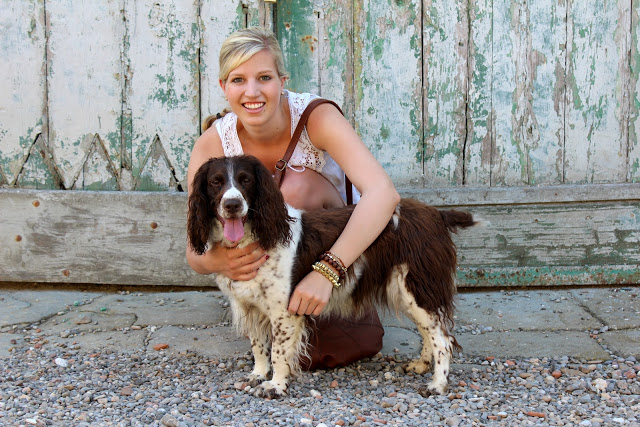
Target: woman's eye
[[236, 80], [265, 78]]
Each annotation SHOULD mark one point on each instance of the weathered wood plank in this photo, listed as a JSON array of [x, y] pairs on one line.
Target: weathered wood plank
[[139, 239], [524, 195], [217, 20], [528, 92], [633, 161], [95, 237], [84, 81], [572, 235], [479, 115], [22, 106], [297, 31], [162, 65], [336, 54], [388, 88], [596, 140], [445, 79]]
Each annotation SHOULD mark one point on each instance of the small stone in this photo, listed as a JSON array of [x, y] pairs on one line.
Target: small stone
[[159, 347], [315, 393], [83, 320], [61, 362], [535, 414], [169, 421], [126, 391], [333, 384], [556, 374]]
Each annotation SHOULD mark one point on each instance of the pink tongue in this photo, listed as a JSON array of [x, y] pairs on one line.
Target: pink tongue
[[233, 229]]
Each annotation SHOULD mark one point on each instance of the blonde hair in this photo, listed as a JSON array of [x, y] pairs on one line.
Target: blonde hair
[[237, 49]]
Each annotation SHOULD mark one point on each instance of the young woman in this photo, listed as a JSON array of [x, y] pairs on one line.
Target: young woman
[[261, 121]]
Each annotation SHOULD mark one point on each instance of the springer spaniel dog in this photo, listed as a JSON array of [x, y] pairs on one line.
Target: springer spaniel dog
[[410, 267]]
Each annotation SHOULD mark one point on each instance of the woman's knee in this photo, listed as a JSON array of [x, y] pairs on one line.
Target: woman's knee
[[308, 190]]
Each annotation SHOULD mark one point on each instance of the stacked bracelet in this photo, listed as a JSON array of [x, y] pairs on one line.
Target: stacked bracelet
[[328, 273], [334, 261]]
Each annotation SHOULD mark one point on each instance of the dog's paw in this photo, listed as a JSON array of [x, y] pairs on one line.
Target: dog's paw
[[270, 390], [252, 380], [418, 366], [432, 389]]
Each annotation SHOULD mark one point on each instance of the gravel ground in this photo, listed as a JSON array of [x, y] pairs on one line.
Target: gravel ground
[[66, 386]]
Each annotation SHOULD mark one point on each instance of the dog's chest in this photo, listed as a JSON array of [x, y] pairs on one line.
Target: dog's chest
[[271, 287]]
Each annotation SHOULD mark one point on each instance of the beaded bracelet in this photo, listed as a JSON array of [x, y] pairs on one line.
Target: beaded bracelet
[[328, 273], [334, 261]]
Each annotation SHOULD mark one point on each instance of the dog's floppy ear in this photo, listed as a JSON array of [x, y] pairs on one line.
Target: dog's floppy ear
[[269, 218], [200, 216]]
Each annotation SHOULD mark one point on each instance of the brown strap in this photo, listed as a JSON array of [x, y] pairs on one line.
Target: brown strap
[[281, 165]]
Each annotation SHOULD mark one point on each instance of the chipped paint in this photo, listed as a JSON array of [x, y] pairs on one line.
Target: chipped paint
[[470, 92]]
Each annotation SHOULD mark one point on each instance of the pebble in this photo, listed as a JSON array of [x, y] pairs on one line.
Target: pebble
[[151, 388]]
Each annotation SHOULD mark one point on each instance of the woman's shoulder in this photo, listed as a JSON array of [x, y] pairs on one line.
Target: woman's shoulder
[[298, 101]]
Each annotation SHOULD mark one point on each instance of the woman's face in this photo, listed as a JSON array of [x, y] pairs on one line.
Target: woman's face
[[253, 89]]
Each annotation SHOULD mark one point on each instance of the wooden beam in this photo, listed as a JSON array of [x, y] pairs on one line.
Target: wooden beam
[[557, 236]]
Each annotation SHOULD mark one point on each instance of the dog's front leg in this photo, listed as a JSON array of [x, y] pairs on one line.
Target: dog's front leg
[[288, 341]]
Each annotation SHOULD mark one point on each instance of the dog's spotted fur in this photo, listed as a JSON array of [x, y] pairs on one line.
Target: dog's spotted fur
[[410, 267]]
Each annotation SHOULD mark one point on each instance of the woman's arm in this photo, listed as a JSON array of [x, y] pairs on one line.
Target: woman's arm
[[331, 132], [235, 263]]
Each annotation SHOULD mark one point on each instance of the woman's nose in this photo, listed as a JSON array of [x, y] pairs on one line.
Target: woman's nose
[[252, 88]]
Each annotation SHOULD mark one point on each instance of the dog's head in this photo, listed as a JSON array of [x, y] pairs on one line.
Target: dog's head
[[239, 195]]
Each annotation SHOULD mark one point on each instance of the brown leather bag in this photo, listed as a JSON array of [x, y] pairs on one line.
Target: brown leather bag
[[334, 341]]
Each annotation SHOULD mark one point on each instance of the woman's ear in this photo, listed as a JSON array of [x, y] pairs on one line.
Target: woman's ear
[[223, 85]]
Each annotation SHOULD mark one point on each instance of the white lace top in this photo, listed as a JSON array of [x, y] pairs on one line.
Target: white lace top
[[305, 153]]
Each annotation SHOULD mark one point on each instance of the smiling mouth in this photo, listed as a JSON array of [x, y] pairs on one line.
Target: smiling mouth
[[253, 105]]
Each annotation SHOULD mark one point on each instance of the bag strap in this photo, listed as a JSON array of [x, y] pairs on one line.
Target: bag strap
[[281, 165]]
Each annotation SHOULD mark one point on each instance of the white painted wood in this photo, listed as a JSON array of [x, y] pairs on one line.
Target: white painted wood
[[445, 81], [480, 116], [162, 81], [22, 82], [595, 147], [139, 238], [633, 161], [524, 195], [95, 237], [387, 85], [218, 20], [84, 81], [528, 92], [335, 51]]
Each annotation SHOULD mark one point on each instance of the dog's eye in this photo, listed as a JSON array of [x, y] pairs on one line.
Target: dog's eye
[[216, 181], [245, 179]]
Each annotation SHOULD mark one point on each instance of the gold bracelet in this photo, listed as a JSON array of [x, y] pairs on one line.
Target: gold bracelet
[[335, 261], [328, 273]]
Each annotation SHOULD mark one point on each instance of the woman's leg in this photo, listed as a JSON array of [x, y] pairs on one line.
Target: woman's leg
[[309, 190]]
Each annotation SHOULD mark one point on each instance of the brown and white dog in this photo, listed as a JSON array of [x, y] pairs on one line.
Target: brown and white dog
[[410, 267]]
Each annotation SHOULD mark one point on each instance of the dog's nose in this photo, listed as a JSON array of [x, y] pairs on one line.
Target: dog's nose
[[232, 206]]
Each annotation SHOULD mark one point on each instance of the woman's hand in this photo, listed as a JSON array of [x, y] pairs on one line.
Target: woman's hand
[[235, 263], [311, 295]]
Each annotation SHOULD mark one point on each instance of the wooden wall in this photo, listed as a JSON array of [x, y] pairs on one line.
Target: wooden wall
[[523, 112]]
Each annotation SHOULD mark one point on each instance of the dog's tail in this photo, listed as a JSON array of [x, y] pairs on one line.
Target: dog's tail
[[457, 219]]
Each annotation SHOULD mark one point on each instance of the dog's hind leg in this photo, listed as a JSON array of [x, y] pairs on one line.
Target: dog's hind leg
[[288, 339], [436, 343]]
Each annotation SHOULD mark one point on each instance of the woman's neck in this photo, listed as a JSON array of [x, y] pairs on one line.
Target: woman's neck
[[272, 133]]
